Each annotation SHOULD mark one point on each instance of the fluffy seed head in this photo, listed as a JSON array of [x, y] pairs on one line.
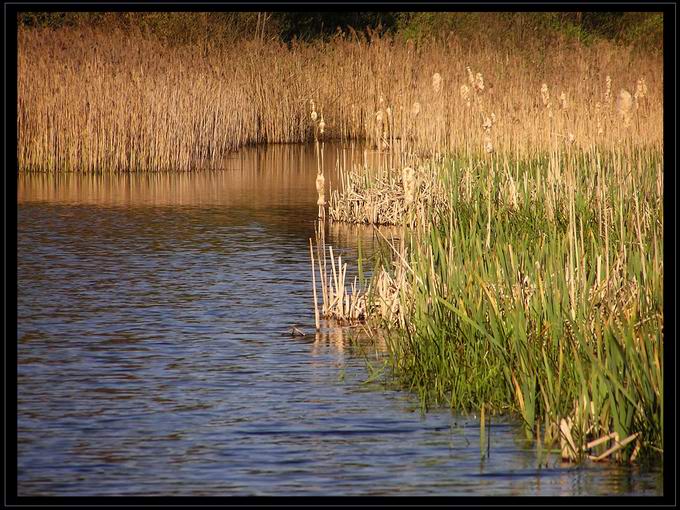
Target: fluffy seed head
[[608, 91], [479, 82], [640, 90], [320, 183], [488, 146], [379, 116], [624, 102], [409, 181], [436, 82], [545, 95], [465, 93], [563, 100], [415, 110], [471, 77]]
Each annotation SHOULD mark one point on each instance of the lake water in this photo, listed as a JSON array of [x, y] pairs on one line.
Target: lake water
[[151, 360]]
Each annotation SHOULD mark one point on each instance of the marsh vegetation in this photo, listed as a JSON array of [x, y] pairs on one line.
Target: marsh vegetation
[[527, 276]]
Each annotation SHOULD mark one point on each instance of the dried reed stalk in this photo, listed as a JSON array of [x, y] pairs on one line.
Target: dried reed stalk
[[88, 103]]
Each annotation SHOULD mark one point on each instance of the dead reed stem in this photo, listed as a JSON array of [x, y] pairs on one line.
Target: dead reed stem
[[90, 100], [316, 306]]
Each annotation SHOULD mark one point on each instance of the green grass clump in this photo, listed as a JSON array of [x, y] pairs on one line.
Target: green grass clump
[[540, 291]]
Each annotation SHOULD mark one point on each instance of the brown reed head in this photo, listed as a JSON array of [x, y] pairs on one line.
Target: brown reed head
[[436, 82]]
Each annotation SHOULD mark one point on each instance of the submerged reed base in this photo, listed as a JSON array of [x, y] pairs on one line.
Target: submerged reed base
[[342, 302], [351, 303]]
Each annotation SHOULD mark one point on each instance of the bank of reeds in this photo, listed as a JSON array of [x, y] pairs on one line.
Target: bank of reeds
[[535, 279], [90, 100], [540, 289]]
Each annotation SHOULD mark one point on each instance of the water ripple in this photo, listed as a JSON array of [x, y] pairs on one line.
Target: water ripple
[[151, 360]]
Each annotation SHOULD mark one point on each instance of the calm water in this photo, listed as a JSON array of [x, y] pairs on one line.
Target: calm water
[[151, 359]]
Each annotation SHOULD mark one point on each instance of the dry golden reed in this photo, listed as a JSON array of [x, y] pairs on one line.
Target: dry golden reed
[[90, 100]]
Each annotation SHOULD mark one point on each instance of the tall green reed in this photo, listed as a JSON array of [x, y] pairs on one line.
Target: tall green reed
[[560, 316]]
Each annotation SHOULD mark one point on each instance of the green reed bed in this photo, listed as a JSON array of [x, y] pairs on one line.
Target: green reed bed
[[540, 290]]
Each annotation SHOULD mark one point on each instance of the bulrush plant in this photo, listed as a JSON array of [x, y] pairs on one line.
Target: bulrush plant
[[354, 303], [541, 290], [90, 100]]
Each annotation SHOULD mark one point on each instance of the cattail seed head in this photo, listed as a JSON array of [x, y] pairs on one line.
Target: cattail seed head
[[608, 91], [488, 146], [465, 93], [320, 184], [479, 82], [415, 110], [624, 105], [314, 115], [545, 95], [436, 82], [624, 102], [471, 77], [322, 125], [409, 182], [640, 91], [320, 189], [563, 100], [379, 116]]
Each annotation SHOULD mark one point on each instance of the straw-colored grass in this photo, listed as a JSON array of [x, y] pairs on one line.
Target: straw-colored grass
[[91, 100], [384, 196], [343, 302]]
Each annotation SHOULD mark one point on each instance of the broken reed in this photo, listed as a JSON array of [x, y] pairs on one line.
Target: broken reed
[[90, 100], [340, 301], [541, 289], [387, 196], [353, 303]]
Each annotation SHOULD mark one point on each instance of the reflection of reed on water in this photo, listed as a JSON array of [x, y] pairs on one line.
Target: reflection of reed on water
[[256, 177], [348, 234], [359, 339]]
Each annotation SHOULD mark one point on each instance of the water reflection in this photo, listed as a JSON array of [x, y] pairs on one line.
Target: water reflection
[[152, 356], [254, 178]]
